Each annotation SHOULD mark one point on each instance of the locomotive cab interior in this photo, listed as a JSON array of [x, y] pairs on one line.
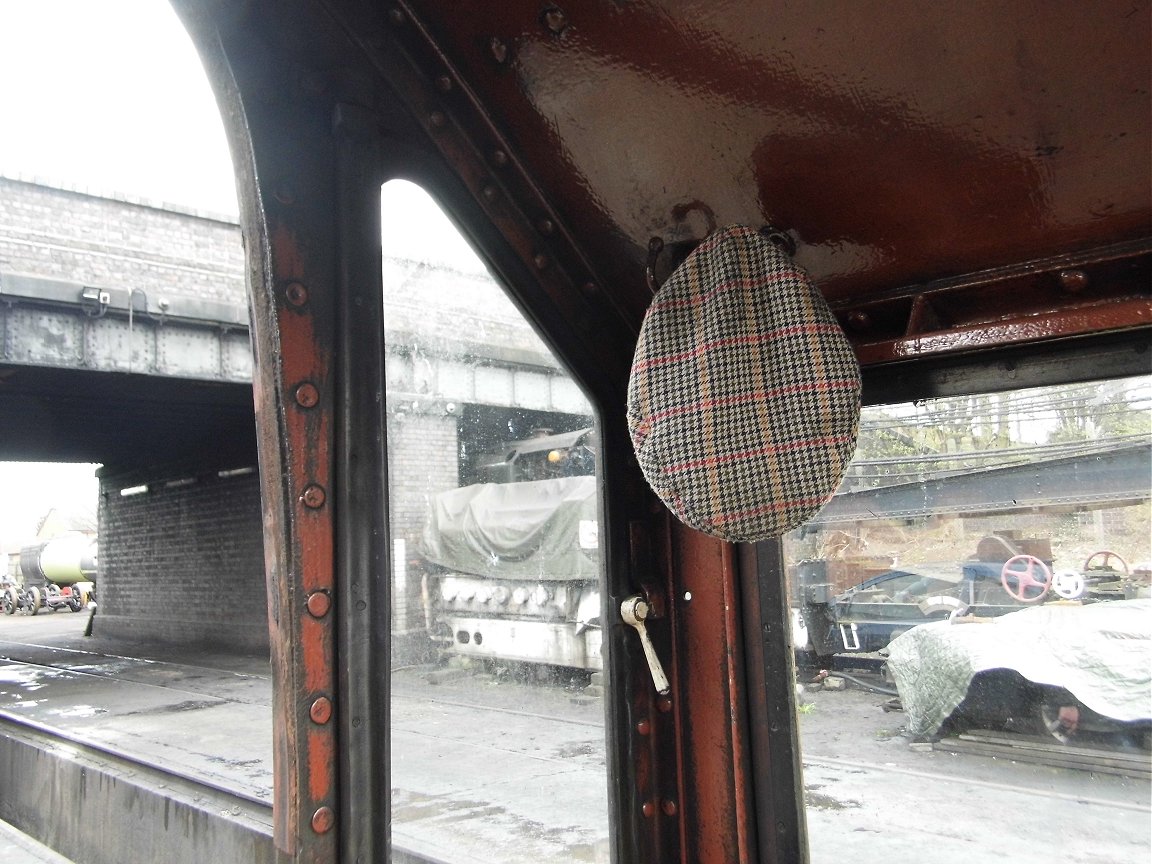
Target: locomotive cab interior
[[969, 190]]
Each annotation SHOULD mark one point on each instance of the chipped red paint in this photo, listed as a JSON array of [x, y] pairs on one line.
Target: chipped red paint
[[316, 648], [1082, 321], [321, 749], [714, 809], [308, 640]]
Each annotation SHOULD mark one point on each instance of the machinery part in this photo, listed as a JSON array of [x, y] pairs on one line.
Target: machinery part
[[34, 601], [850, 636], [1107, 555], [1061, 721], [11, 601], [941, 603], [1021, 568], [634, 610], [76, 600], [1068, 584]]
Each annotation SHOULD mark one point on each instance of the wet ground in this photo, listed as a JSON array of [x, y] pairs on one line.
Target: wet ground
[[492, 766]]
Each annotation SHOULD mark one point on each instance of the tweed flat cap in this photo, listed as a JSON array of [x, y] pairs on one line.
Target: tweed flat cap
[[744, 398]]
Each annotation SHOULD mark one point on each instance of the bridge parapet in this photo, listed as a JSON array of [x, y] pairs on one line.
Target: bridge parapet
[[50, 322]]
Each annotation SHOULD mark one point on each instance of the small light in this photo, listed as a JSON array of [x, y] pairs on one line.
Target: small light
[[555, 456]]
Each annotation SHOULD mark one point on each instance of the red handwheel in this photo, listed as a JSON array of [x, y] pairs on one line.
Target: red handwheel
[[1024, 569], [1107, 555]]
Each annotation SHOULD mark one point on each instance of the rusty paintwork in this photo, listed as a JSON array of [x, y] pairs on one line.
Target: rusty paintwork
[[715, 794], [955, 183]]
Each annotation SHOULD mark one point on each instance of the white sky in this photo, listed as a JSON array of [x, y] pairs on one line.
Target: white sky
[[110, 97]]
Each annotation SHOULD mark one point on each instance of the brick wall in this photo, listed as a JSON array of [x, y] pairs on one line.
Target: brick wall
[[115, 243], [423, 460], [183, 563]]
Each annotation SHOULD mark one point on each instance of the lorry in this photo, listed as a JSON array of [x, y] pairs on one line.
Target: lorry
[[511, 567]]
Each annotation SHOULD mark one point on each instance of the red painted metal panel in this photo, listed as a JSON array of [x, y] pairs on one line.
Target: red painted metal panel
[[715, 789]]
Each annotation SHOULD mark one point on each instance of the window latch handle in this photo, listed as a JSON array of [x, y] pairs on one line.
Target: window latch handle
[[634, 611]]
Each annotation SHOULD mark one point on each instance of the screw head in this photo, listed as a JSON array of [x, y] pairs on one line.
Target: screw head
[[313, 496], [669, 807], [437, 119], [498, 50], [644, 727], [860, 321], [555, 19], [323, 820], [318, 604], [285, 193], [1073, 281], [296, 294], [321, 710], [307, 396], [649, 809]]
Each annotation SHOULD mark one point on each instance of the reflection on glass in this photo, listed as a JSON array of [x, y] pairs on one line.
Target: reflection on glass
[[497, 727], [973, 623]]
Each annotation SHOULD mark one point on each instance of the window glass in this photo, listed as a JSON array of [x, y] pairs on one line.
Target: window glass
[[972, 619], [497, 735]]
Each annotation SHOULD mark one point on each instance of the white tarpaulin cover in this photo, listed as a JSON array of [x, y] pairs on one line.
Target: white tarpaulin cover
[[1101, 653]]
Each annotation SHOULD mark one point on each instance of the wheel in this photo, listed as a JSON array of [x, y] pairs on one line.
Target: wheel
[[1068, 584], [1060, 721], [34, 601], [1022, 569], [1107, 555], [11, 601], [76, 599]]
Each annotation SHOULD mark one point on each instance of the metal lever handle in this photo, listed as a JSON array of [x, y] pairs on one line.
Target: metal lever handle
[[634, 611]]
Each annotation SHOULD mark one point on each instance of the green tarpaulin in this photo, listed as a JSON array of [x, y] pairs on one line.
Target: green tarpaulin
[[542, 530]]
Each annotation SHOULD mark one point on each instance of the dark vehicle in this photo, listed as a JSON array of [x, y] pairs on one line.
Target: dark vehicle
[[956, 675], [1000, 578]]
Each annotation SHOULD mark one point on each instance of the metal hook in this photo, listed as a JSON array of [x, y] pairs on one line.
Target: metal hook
[[655, 247], [680, 213], [781, 239], [656, 244]]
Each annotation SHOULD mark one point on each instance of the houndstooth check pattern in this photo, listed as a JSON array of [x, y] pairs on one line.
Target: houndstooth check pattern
[[744, 400]]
